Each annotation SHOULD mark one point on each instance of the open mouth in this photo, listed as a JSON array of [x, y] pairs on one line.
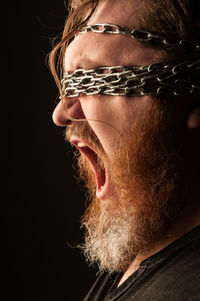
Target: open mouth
[[97, 166]]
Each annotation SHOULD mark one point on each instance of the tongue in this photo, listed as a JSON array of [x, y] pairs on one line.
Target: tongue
[[100, 176], [97, 166]]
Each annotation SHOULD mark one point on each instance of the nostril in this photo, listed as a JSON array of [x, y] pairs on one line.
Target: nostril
[[68, 123]]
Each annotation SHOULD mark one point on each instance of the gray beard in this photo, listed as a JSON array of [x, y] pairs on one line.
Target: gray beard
[[115, 236], [111, 243]]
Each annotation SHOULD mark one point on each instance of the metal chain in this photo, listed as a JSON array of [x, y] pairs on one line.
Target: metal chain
[[156, 79], [140, 35]]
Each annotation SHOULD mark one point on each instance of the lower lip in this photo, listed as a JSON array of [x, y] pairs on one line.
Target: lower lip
[[102, 193]]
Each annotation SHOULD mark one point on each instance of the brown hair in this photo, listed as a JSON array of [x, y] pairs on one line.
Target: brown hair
[[79, 11], [177, 19]]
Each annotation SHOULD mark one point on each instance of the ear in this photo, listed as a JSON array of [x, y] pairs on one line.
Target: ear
[[193, 120]]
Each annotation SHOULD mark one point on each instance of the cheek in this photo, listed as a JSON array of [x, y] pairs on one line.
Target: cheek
[[111, 117], [108, 117], [103, 118]]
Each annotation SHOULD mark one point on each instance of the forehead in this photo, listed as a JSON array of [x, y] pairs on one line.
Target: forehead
[[91, 50], [116, 11]]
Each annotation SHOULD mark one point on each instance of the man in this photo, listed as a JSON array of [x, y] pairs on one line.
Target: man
[[130, 102]]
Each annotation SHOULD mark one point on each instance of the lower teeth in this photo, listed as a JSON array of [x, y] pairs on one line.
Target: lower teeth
[[102, 187]]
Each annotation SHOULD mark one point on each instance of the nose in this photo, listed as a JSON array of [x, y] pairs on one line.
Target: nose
[[65, 110]]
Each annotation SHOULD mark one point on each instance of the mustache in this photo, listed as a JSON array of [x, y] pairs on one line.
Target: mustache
[[83, 131]]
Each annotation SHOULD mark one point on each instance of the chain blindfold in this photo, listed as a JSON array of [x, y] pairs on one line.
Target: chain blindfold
[[154, 80]]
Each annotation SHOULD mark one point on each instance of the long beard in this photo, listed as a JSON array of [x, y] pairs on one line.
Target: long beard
[[145, 171]]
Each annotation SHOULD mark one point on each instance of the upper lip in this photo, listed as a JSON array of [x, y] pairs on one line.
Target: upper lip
[[76, 140]]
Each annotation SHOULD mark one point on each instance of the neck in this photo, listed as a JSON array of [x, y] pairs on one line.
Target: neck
[[188, 220]]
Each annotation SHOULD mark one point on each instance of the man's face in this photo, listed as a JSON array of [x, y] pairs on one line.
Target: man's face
[[131, 180], [109, 117]]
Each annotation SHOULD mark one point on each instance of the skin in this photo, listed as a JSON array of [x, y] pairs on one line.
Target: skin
[[92, 50]]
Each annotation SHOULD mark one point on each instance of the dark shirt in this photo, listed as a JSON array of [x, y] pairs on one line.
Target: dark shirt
[[172, 274]]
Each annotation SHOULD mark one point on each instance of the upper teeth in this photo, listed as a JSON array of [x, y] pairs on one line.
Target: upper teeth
[[81, 144]]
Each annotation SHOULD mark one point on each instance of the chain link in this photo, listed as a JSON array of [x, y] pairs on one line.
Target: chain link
[[156, 79], [141, 35]]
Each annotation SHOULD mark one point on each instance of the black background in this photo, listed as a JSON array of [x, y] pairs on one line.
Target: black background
[[41, 202]]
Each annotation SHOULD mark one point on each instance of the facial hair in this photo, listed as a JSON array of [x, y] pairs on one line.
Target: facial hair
[[145, 171]]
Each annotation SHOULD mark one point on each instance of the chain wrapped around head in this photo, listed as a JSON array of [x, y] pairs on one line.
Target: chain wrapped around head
[[155, 80], [141, 35]]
